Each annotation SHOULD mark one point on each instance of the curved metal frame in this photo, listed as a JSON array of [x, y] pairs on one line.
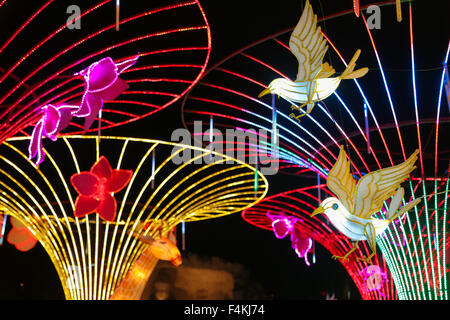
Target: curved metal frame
[[206, 185]]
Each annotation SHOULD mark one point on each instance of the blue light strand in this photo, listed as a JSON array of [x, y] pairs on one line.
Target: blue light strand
[[366, 121]]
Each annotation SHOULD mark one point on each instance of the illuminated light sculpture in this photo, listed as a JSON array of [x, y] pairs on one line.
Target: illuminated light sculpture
[[351, 212], [283, 225], [92, 255], [399, 122], [102, 82], [374, 278], [313, 82], [173, 54], [163, 249], [52, 122], [356, 7], [398, 10], [96, 189], [302, 245], [133, 285], [228, 93], [397, 228], [298, 204], [20, 237], [3, 221], [117, 15]]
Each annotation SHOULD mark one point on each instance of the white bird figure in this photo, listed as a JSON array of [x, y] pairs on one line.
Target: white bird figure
[[351, 212], [313, 82]]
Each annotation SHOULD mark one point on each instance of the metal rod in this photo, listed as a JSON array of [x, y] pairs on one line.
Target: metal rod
[[117, 14]]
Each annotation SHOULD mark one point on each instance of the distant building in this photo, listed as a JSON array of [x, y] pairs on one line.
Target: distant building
[[201, 279]]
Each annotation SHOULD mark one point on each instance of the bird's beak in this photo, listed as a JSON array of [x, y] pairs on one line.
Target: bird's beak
[[264, 92], [317, 211]]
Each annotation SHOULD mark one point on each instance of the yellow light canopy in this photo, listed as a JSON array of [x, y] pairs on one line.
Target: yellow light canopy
[[93, 256]]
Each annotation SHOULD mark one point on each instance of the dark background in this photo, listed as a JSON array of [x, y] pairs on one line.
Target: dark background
[[271, 262]]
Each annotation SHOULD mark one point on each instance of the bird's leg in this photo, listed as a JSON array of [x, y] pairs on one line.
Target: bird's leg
[[344, 258], [294, 107], [297, 117], [292, 115], [367, 259]]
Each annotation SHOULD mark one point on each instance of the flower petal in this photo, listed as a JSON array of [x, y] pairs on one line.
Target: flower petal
[[66, 116], [16, 236], [35, 146], [114, 90], [124, 65], [16, 223], [300, 243], [119, 179], [107, 208], [28, 244], [85, 183], [95, 103], [84, 108], [281, 227], [102, 74], [52, 118], [85, 205], [102, 168]]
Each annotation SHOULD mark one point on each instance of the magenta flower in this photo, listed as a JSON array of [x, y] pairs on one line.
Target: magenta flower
[[52, 122], [96, 189], [301, 244], [373, 277], [102, 82], [283, 225]]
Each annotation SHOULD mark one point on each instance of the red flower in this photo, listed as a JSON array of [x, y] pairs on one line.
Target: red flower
[[96, 189], [20, 236]]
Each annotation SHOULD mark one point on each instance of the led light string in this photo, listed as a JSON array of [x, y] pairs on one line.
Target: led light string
[[67, 247]]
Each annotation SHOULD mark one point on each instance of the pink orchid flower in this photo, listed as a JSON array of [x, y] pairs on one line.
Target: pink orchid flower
[[52, 122], [301, 244], [102, 82], [283, 225], [96, 189]]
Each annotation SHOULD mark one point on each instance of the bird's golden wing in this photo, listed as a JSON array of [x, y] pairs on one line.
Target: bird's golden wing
[[326, 71], [308, 45], [377, 186], [341, 182]]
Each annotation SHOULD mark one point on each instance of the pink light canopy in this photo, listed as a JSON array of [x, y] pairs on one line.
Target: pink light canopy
[[40, 54]]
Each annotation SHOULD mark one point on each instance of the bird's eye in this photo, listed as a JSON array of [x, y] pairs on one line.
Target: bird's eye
[[335, 206]]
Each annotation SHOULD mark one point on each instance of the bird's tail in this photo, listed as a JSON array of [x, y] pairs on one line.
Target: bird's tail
[[326, 71], [349, 73], [406, 207], [395, 202]]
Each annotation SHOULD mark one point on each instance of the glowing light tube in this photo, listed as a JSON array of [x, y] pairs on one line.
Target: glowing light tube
[[117, 15], [92, 256]]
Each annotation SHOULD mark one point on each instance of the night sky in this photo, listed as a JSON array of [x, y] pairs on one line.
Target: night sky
[[272, 262]]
